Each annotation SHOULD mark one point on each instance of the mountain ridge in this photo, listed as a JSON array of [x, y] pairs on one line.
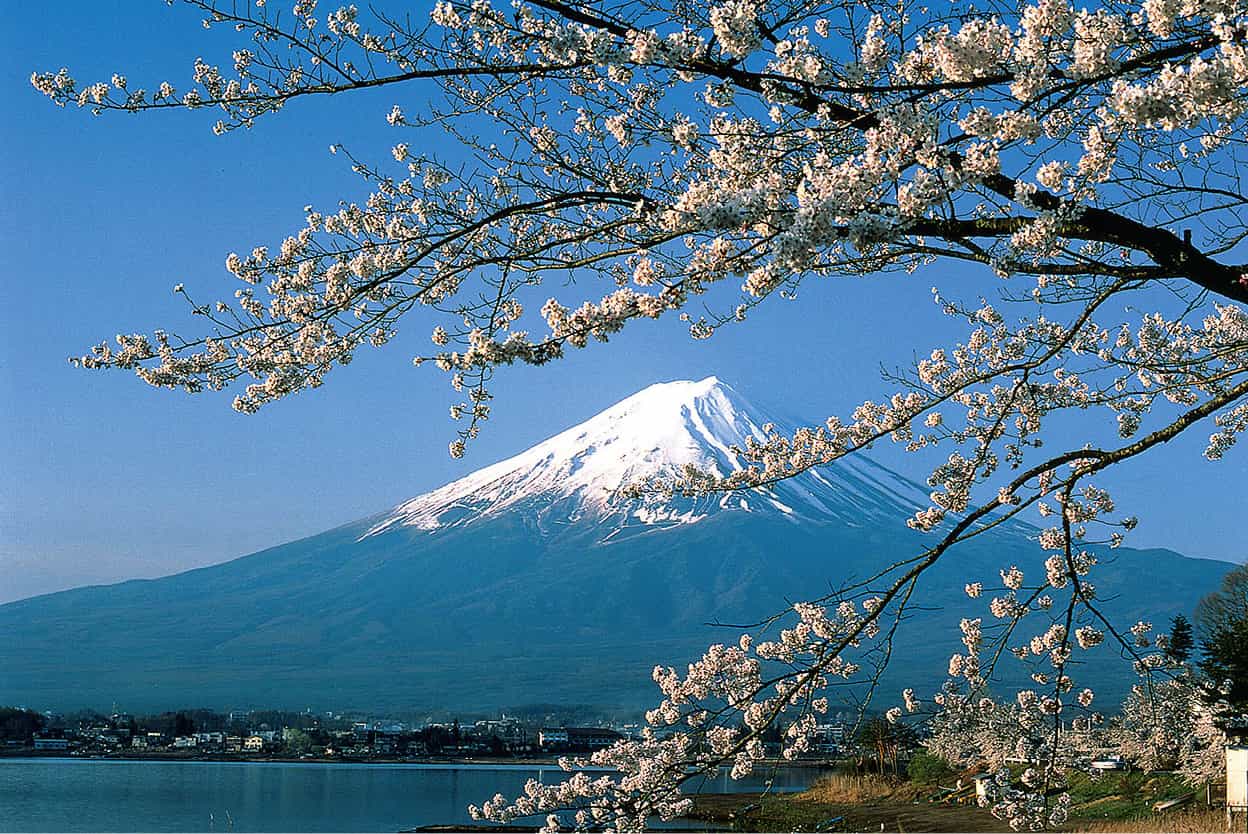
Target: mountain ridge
[[512, 587]]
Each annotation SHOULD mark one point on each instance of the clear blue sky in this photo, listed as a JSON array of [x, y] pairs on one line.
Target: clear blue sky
[[102, 478]]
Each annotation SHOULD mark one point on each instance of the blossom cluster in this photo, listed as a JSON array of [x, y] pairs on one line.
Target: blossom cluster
[[649, 162], [714, 712]]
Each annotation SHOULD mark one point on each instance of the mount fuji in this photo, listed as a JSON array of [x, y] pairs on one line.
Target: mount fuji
[[535, 579], [577, 477]]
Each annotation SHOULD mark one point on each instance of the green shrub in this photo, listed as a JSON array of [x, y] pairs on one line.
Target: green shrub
[[927, 769]]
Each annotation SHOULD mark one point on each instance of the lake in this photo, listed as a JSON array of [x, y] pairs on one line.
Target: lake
[[112, 795]]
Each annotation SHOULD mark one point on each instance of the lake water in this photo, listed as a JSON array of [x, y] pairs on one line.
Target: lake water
[[109, 795]]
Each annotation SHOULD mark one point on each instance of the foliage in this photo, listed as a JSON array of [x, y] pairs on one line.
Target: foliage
[[183, 724], [1225, 607], [927, 769], [887, 742], [20, 724], [689, 157], [1223, 617], [1122, 795], [1224, 659], [1179, 649], [297, 741]]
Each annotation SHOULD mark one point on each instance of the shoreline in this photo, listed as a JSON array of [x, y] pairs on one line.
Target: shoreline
[[227, 758], [447, 761]]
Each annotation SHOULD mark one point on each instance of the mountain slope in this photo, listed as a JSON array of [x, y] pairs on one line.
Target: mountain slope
[[575, 477], [529, 580]]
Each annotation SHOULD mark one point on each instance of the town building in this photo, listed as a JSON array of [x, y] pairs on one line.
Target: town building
[[214, 739], [551, 737], [510, 731], [587, 738], [51, 743], [577, 738], [828, 739]]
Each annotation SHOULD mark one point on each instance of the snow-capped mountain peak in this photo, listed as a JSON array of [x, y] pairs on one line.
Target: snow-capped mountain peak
[[578, 475]]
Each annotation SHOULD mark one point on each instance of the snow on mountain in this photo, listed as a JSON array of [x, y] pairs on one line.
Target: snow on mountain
[[577, 475], [535, 581]]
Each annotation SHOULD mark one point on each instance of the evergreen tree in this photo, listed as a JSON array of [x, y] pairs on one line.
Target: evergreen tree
[[1225, 662], [18, 724], [183, 725], [1181, 640]]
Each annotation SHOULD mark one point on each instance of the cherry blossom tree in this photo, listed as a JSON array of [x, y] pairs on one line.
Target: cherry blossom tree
[[1173, 728], [716, 155]]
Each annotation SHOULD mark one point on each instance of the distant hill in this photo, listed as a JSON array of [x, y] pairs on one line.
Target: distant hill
[[534, 580]]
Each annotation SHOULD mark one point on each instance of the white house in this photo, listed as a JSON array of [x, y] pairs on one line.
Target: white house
[[1236, 730], [1236, 780]]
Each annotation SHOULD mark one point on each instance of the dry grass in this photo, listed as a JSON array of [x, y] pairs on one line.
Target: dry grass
[[847, 789], [1190, 819]]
